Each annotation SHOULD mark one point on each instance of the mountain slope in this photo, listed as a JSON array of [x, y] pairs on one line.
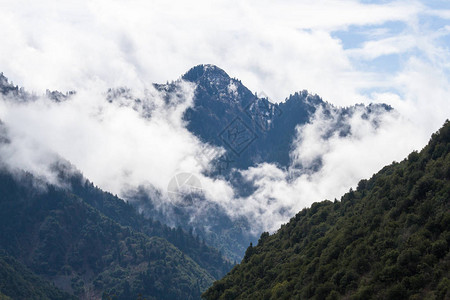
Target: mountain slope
[[125, 214], [389, 239], [62, 238], [17, 282], [113, 207]]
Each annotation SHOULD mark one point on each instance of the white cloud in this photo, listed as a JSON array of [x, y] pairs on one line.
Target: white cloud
[[109, 142], [442, 13], [345, 161], [276, 46], [392, 45]]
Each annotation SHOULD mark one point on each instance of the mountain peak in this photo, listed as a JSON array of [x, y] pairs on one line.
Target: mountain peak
[[207, 70]]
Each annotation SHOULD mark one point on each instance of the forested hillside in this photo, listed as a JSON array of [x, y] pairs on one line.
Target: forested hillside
[[388, 239], [86, 251], [125, 214], [17, 282]]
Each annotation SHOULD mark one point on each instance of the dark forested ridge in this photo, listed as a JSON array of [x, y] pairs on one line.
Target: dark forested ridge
[[125, 214], [94, 245], [388, 239], [18, 282]]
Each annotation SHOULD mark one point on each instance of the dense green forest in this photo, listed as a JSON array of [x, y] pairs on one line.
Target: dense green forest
[[388, 239], [125, 214], [18, 282], [92, 244]]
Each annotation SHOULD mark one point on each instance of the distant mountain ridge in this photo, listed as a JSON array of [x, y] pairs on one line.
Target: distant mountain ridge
[[220, 99], [8, 89], [250, 128], [222, 107]]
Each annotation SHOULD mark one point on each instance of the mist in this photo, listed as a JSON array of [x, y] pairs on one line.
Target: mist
[[278, 48]]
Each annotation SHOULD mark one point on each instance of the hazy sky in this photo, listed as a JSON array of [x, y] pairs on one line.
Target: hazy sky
[[348, 52]]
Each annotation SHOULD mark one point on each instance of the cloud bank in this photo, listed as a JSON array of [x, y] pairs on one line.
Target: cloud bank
[[345, 51], [275, 46]]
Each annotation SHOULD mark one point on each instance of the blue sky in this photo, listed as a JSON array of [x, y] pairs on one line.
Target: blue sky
[[424, 23]]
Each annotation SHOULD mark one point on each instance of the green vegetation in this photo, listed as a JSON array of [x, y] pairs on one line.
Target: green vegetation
[[388, 239], [17, 282], [62, 238], [115, 208]]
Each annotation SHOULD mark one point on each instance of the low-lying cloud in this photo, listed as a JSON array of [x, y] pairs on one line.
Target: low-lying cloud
[[123, 145], [110, 142], [344, 160], [279, 47]]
